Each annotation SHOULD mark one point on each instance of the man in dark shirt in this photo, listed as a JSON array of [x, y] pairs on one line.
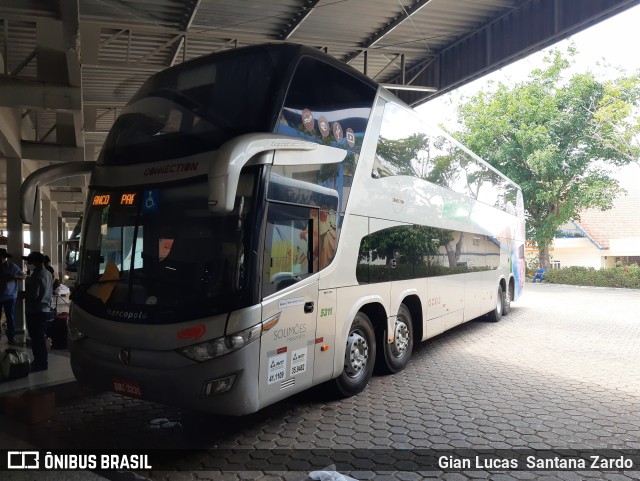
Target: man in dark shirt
[[37, 297]]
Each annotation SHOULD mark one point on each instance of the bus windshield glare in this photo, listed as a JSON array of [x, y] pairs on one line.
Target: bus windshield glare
[[159, 255]]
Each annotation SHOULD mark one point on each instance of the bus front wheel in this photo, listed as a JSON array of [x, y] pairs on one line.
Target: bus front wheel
[[359, 357], [396, 354]]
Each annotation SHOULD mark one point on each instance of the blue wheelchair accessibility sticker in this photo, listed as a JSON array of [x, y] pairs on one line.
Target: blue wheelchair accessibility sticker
[[150, 200]]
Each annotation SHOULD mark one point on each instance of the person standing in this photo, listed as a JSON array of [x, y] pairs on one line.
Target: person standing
[[47, 266], [37, 297], [9, 276]]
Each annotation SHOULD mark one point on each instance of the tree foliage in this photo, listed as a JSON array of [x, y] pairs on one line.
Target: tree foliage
[[558, 138]]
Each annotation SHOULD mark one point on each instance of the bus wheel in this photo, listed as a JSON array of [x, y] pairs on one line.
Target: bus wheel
[[496, 314], [506, 306], [397, 354], [359, 357]]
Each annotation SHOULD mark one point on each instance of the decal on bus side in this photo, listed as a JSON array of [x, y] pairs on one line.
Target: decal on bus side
[[296, 301], [298, 361], [276, 368]]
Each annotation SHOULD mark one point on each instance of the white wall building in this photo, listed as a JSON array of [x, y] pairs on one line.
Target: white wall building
[[602, 238]]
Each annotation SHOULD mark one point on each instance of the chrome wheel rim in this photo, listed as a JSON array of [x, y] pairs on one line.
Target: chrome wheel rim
[[357, 355], [400, 338]]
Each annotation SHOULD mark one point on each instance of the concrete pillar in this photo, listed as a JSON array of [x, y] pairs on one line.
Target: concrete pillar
[[46, 227], [15, 243], [59, 248], [53, 247]]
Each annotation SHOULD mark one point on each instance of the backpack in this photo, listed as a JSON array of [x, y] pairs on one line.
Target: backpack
[[15, 364]]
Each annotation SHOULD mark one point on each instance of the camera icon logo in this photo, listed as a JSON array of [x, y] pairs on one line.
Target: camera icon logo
[[23, 460]]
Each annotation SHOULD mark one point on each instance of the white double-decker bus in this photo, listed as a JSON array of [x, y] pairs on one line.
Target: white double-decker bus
[[266, 219]]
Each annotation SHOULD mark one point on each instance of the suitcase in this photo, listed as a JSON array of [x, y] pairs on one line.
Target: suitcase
[[15, 364], [57, 330]]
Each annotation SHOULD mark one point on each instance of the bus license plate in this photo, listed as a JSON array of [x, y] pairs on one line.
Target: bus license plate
[[127, 388]]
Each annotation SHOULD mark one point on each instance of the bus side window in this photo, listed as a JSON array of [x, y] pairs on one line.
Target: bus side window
[[290, 252]]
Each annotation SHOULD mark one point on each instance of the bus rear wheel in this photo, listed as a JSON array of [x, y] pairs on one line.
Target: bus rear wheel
[[506, 306], [396, 354], [496, 314], [359, 357]]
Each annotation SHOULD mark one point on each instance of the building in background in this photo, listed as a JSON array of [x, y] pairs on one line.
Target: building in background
[[601, 238]]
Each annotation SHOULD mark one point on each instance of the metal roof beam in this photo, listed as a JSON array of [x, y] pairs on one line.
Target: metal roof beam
[[24, 62], [391, 62], [113, 37], [191, 13], [33, 94], [144, 13], [126, 67], [244, 38], [106, 103], [51, 152], [169, 42], [300, 17], [387, 29], [10, 128], [527, 28]]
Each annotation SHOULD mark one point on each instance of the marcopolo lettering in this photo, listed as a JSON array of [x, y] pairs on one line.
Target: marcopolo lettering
[[171, 168], [127, 315]]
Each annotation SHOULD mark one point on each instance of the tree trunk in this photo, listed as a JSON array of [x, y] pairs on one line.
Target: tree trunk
[[545, 259], [454, 256]]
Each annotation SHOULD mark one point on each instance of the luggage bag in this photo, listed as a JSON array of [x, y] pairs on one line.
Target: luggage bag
[[15, 364]]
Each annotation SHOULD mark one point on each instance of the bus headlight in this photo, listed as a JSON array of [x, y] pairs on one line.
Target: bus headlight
[[222, 345]]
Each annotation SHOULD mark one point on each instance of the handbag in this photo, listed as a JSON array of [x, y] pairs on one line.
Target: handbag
[[15, 364]]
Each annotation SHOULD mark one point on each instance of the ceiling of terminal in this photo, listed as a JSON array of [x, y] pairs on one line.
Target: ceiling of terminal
[[72, 66]]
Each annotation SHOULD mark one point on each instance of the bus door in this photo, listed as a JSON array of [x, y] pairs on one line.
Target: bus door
[[290, 301]]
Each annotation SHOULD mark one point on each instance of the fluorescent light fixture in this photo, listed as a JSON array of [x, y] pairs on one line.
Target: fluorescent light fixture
[[415, 88]]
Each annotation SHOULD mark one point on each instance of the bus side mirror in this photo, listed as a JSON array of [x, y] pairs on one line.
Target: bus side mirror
[[245, 149]]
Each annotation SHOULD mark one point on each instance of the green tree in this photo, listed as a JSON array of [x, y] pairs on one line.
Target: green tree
[[558, 138], [407, 156]]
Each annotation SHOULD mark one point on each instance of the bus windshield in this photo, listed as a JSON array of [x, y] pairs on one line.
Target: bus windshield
[[158, 255], [160, 127], [185, 111]]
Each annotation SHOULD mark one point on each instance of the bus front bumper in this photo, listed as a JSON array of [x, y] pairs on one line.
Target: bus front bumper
[[191, 385]]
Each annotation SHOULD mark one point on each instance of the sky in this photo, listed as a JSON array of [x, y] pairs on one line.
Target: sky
[[601, 48]]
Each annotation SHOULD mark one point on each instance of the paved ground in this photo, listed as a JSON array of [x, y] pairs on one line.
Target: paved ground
[[561, 371]]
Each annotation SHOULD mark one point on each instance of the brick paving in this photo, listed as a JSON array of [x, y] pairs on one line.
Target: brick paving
[[561, 371]]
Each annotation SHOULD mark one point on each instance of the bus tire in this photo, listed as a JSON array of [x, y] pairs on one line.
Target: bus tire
[[506, 306], [395, 356], [359, 357], [496, 314]]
